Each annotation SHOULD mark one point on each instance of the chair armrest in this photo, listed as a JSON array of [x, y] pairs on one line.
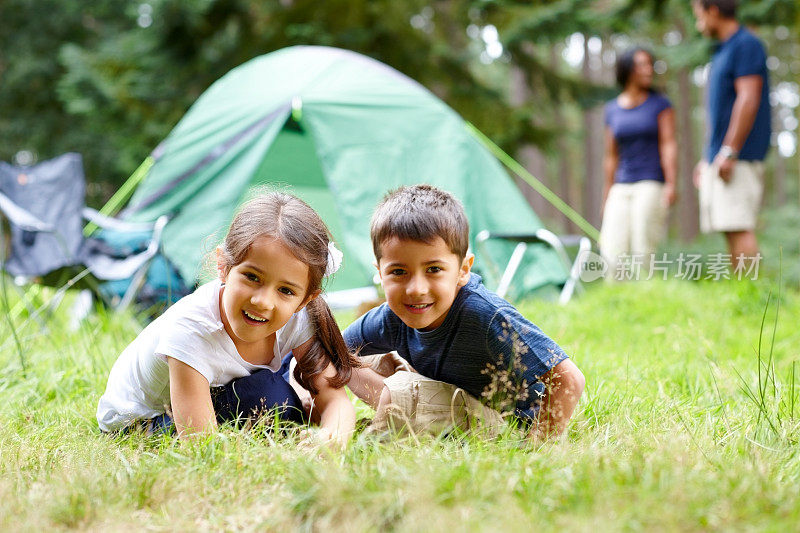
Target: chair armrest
[[106, 222], [22, 218], [573, 240]]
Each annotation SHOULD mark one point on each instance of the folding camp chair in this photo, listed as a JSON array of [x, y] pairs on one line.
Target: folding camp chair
[[540, 236], [44, 206]]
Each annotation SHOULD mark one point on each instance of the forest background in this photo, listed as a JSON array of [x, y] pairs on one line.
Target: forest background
[[110, 79]]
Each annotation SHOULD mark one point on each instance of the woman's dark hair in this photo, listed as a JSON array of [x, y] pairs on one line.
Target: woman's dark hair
[[625, 64], [290, 220]]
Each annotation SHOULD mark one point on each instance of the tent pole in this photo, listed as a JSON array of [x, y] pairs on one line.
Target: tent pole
[[124, 192], [537, 185]]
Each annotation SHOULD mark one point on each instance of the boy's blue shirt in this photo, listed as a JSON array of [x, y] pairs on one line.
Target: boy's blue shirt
[[479, 330]]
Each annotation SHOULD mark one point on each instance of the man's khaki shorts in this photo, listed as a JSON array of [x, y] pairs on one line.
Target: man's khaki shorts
[[732, 205], [422, 404]]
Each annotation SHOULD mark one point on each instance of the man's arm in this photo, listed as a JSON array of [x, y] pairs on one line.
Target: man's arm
[[563, 388], [743, 115]]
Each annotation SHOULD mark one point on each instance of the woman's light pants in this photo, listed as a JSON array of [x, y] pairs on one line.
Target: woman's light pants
[[634, 223]]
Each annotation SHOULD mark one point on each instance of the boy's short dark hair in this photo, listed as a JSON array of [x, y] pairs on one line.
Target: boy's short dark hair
[[420, 213], [727, 8]]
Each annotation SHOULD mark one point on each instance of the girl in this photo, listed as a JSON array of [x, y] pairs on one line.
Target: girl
[[244, 326]]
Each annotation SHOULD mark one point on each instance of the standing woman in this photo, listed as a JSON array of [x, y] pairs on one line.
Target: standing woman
[[640, 164]]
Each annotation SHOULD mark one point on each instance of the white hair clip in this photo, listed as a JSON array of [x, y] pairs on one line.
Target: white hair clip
[[334, 259]]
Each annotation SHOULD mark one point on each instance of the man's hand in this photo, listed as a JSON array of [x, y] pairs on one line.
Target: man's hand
[[725, 166]]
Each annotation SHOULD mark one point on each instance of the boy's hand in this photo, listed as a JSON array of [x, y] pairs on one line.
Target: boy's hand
[[563, 388], [313, 437], [387, 364]]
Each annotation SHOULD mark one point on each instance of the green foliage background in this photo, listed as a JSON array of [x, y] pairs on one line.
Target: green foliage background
[[88, 77]]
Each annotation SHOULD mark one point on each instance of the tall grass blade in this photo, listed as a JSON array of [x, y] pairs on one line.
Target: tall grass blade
[[792, 390], [762, 390], [7, 314]]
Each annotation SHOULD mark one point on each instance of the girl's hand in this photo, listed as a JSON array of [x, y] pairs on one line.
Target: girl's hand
[[190, 396], [670, 195], [332, 409]]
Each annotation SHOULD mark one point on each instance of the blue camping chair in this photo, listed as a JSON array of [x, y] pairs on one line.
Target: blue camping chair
[[44, 206]]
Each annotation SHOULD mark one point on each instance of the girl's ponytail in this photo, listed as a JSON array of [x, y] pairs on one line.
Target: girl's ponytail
[[328, 347]]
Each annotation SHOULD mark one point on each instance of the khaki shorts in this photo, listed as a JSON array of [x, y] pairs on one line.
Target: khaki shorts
[[732, 205], [422, 404]]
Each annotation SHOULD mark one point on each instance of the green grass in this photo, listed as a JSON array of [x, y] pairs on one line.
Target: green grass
[[684, 425]]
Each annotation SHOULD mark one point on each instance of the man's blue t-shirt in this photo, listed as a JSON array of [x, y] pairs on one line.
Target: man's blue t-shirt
[[481, 329], [741, 55], [636, 133]]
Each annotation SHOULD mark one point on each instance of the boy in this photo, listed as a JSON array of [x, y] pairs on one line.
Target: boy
[[463, 343]]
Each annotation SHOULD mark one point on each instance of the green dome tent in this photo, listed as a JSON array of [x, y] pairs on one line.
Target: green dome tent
[[340, 129]]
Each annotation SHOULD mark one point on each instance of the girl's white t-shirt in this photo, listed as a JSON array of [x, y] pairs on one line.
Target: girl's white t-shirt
[[192, 332]]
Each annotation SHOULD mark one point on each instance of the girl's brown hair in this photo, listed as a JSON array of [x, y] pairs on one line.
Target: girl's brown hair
[[296, 225]]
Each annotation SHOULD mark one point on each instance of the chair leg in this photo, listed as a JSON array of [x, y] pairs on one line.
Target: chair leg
[[80, 309], [133, 288], [511, 269], [573, 283]]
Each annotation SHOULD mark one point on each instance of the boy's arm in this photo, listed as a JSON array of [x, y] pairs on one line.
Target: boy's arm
[[563, 388], [367, 385]]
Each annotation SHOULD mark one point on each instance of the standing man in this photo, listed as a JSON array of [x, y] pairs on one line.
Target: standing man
[[731, 178]]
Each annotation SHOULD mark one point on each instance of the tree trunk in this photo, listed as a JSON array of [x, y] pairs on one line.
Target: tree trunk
[[687, 207], [528, 155], [775, 181], [566, 181], [593, 138], [779, 180]]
